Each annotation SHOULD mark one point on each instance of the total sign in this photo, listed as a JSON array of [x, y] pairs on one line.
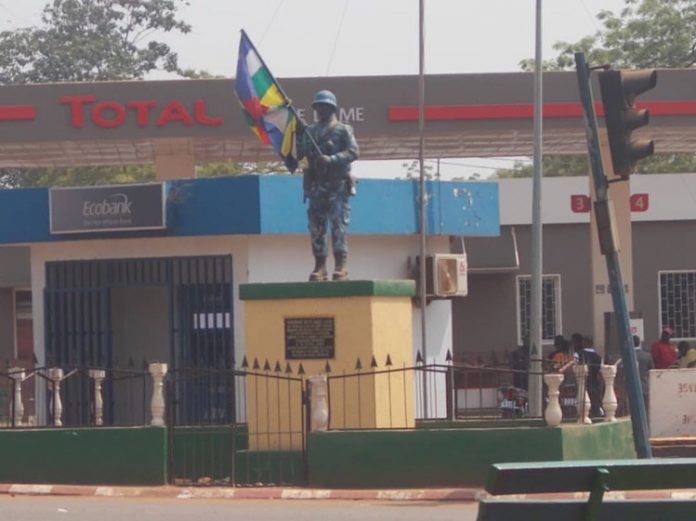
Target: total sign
[[112, 114]]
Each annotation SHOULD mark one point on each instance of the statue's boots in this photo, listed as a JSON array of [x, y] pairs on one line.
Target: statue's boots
[[341, 268], [319, 271]]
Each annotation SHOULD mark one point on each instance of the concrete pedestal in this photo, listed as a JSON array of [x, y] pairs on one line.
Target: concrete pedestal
[[341, 328]]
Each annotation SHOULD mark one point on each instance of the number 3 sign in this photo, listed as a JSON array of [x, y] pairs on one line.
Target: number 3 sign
[[580, 203]]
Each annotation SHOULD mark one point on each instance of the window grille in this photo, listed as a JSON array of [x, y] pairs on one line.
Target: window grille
[[678, 302], [550, 307]]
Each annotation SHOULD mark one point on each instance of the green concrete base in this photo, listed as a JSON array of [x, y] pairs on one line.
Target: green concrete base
[[109, 456], [453, 457]]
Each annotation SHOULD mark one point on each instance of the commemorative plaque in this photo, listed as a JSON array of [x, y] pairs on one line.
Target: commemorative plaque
[[309, 338]]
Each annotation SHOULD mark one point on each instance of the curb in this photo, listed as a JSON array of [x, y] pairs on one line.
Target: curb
[[261, 493], [469, 495]]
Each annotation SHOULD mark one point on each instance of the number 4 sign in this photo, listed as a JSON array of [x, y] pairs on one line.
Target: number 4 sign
[[640, 202]]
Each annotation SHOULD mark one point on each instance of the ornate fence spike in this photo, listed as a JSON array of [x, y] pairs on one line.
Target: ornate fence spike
[[256, 365], [288, 369], [373, 363], [327, 368], [388, 363], [448, 356], [358, 364], [300, 370], [245, 362], [419, 357], [266, 366], [277, 368]]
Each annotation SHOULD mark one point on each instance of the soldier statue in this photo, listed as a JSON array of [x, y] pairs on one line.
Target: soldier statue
[[330, 148]]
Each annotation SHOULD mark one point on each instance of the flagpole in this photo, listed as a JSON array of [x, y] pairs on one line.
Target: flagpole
[[280, 89]]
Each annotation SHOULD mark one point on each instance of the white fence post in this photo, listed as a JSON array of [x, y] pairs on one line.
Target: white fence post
[[582, 399], [319, 402], [554, 413], [17, 374], [98, 376], [157, 371], [55, 374], [609, 402]]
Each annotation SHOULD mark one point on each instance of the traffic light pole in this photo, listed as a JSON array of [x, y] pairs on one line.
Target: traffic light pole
[[639, 422]]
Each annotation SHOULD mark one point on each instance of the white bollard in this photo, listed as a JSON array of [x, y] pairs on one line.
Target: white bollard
[[157, 371], [609, 402], [17, 374], [55, 374], [319, 403], [553, 414], [582, 399], [98, 376]]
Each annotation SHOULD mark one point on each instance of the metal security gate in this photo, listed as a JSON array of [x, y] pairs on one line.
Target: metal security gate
[[246, 427], [197, 296]]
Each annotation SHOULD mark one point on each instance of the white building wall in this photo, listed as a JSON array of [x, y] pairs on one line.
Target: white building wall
[[268, 258]]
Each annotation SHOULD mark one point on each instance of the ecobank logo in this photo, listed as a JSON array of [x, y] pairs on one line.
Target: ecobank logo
[[108, 208], [115, 205]]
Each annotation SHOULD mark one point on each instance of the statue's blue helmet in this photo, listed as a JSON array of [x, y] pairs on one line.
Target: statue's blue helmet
[[326, 97]]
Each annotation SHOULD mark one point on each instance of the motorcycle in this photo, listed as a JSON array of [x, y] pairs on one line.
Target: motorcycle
[[512, 401]]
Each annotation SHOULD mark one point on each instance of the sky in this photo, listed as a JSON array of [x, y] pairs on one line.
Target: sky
[[315, 38]]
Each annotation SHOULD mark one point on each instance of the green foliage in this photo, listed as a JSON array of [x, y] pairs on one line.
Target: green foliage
[[223, 169], [646, 34], [553, 166], [91, 40], [75, 176]]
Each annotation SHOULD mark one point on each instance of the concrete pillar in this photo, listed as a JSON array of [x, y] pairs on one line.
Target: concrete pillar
[[553, 414], [609, 402], [620, 194], [319, 402], [17, 374], [157, 371], [174, 159], [55, 374], [98, 376]]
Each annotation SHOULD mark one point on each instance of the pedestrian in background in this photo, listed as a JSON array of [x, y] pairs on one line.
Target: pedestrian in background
[[687, 355], [663, 351], [645, 364]]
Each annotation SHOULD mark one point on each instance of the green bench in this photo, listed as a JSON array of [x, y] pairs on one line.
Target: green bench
[[595, 477]]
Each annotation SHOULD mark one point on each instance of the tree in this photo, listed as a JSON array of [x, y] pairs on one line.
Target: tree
[[646, 34], [89, 40]]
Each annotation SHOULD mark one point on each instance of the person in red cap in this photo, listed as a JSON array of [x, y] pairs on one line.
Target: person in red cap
[[663, 351]]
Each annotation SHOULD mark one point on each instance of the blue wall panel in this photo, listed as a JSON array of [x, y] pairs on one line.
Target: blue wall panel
[[252, 205]]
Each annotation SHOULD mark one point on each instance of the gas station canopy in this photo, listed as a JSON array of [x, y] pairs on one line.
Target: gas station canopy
[[467, 115]]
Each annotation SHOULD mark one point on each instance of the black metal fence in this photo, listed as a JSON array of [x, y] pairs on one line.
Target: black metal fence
[[124, 397], [398, 397]]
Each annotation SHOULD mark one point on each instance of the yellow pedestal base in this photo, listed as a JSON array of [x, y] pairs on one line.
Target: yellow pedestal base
[[359, 333]]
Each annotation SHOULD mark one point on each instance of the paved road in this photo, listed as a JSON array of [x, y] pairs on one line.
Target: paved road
[[27, 508]]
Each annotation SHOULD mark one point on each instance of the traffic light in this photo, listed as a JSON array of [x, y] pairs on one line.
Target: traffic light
[[619, 92]]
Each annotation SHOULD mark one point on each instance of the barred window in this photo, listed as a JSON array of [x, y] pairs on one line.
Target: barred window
[[678, 302], [550, 307]]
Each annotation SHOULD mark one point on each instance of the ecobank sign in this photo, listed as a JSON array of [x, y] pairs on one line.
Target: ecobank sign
[[107, 208]]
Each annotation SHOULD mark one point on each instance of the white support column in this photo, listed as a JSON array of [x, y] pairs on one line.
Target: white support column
[[55, 374], [582, 399], [553, 414], [319, 402], [157, 371], [98, 376], [609, 402], [17, 374]]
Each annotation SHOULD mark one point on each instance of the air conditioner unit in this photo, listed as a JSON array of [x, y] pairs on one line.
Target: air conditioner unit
[[446, 275]]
